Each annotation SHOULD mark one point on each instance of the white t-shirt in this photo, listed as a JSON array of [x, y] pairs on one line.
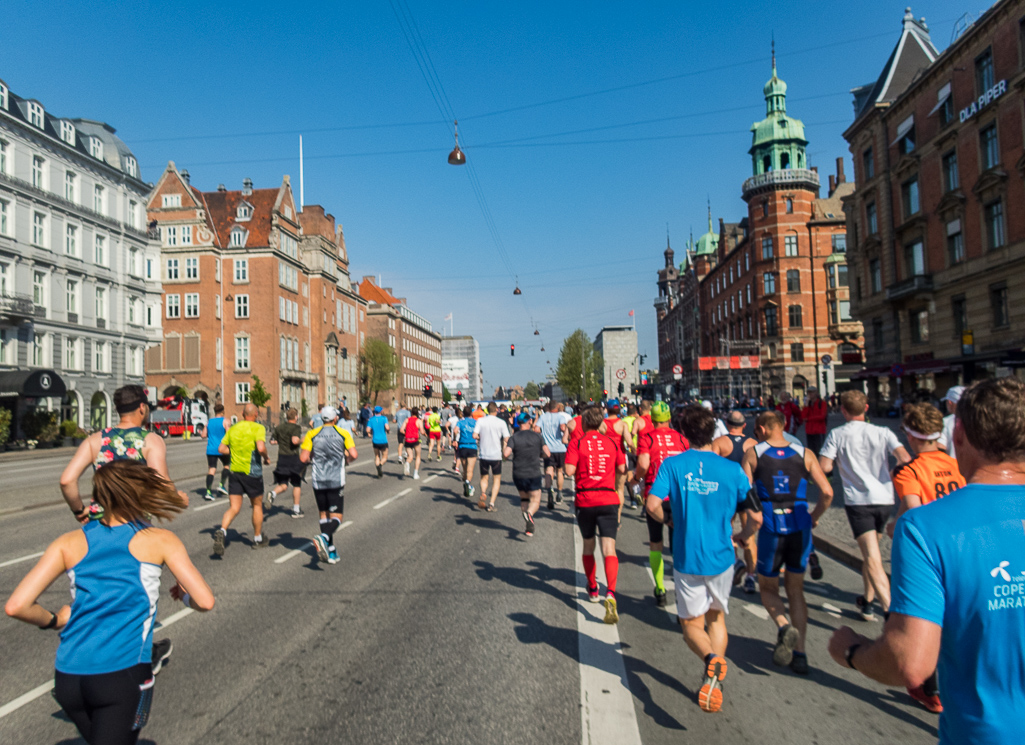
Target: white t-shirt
[[491, 431], [861, 452], [720, 429], [946, 440]]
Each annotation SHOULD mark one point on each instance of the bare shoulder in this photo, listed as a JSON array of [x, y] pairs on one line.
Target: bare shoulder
[[153, 544]]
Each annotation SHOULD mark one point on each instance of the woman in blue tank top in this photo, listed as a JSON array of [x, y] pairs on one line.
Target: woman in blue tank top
[[104, 680]]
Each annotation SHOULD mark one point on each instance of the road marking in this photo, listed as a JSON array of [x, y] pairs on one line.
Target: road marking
[[827, 607], [431, 478], [216, 503], [173, 618], [297, 551], [389, 500], [756, 610], [670, 597], [606, 704], [9, 562]]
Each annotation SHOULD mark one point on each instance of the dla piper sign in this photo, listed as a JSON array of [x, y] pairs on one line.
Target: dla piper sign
[[984, 100]]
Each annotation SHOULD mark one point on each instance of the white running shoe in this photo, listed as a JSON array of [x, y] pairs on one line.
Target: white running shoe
[[416, 475], [405, 468]]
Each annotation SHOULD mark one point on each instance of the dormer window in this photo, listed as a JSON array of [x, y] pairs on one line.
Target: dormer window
[[238, 237], [244, 211], [171, 200], [68, 133], [96, 147], [3, 97], [35, 114], [132, 166], [288, 212]]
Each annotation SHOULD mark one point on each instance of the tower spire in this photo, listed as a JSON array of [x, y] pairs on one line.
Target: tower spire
[[709, 214], [773, 54]]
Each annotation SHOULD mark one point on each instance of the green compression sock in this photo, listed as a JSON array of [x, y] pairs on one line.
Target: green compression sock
[[657, 569]]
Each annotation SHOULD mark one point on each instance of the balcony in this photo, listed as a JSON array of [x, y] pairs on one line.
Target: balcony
[[661, 302], [918, 285], [16, 307], [789, 177]]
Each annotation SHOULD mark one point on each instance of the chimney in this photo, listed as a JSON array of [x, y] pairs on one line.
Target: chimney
[[220, 187], [247, 186], [814, 169], [840, 177], [832, 183], [185, 177]]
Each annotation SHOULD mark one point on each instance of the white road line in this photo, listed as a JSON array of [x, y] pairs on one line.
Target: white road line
[[756, 610], [216, 503], [827, 607], [429, 478], [174, 618], [9, 562], [296, 551], [606, 704], [671, 596], [389, 500]]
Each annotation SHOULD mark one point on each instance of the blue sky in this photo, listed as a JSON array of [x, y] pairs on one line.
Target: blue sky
[[579, 203]]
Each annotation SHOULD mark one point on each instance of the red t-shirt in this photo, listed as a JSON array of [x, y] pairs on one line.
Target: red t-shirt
[[596, 456], [578, 429], [412, 429], [660, 444], [610, 431]]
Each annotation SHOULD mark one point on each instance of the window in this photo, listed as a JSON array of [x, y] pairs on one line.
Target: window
[[133, 310], [132, 167], [914, 259], [909, 197], [875, 275], [241, 270], [839, 243], [69, 186], [217, 307], [218, 353], [39, 289], [790, 245], [39, 344], [3, 157], [989, 149], [35, 114], [877, 333], [133, 262], [797, 352], [238, 237], [993, 215], [100, 250], [951, 180], [71, 357], [172, 268], [217, 271], [101, 302], [98, 199], [947, 108], [984, 72], [871, 223], [793, 280], [99, 357], [68, 133], [241, 352], [171, 200], [794, 313], [71, 240], [4, 274], [186, 235], [241, 306], [71, 296], [288, 211], [96, 147], [959, 310], [5, 224], [868, 164], [133, 210], [171, 236], [241, 393], [174, 306], [747, 261], [244, 211], [771, 328], [769, 283], [790, 206], [149, 268], [841, 275], [906, 143], [37, 172], [281, 308], [845, 310], [192, 305], [955, 242], [919, 321], [289, 245], [192, 267], [998, 302], [3, 96], [767, 247]]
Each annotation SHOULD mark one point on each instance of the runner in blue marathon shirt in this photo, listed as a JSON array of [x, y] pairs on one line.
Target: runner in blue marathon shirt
[[378, 429], [466, 448]]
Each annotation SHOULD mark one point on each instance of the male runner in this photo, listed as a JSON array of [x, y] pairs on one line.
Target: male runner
[[653, 447], [780, 471], [378, 428], [642, 422], [466, 448], [245, 441], [214, 434], [720, 427], [594, 460], [791, 412], [401, 416], [453, 436], [289, 469], [329, 448], [615, 430], [861, 452], [950, 399], [552, 424], [433, 433], [411, 441], [447, 412], [317, 420], [526, 448], [631, 451], [732, 446], [704, 492], [491, 434]]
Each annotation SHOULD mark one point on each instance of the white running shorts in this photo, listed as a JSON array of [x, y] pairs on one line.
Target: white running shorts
[[696, 594]]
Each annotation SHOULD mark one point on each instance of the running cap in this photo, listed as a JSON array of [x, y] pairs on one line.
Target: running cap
[[954, 394], [522, 419], [377, 409], [329, 413], [706, 404], [660, 412]]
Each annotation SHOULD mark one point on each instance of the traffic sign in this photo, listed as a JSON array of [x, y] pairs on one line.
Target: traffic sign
[[897, 370], [428, 378], [677, 369], [826, 359], [621, 374]]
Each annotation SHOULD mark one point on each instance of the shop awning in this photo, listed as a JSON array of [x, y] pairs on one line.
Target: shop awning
[[31, 384]]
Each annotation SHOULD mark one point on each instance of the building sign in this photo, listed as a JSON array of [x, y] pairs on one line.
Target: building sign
[[984, 100], [743, 362], [455, 374], [967, 344]]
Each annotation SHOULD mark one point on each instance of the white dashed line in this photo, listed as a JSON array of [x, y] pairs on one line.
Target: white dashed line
[[306, 547], [216, 503], [389, 500], [431, 478], [9, 562], [832, 610], [756, 610], [174, 618]]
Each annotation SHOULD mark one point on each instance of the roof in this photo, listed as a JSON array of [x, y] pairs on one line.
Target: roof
[[374, 294], [223, 205], [831, 207], [777, 126]]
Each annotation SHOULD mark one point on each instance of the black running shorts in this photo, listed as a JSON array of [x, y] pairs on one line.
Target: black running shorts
[[556, 461], [330, 498], [527, 485], [466, 453], [109, 707], [412, 443], [289, 470], [603, 519], [245, 485], [380, 448], [490, 466], [866, 517], [213, 460]]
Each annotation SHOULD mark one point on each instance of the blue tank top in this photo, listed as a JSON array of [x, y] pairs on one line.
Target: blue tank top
[[465, 429], [214, 434], [113, 605], [781, 479]]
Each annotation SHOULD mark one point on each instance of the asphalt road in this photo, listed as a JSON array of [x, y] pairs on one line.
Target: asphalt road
[[441, 624]]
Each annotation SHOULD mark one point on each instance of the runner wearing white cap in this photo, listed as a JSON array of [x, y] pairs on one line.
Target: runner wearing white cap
[[720, 427], [946, 440]]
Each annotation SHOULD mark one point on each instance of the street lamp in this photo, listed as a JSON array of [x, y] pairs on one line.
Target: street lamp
[[456, 157]]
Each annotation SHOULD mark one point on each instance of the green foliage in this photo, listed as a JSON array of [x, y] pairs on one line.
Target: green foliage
[[257, 393], [182, 392], [531, 391], [5, 425], [446, 395], [69, 428], [304, 409], [573, 378], [378, 367], [41, 425]]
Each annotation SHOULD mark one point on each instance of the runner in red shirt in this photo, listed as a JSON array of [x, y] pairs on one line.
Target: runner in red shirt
[[594, 460], [654, 445], [814, 415], [614, 429]]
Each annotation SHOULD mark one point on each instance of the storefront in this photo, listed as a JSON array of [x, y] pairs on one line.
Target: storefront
[[21, 390]]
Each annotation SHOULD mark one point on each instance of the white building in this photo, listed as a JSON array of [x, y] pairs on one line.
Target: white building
[[618, 347], [460, 367]]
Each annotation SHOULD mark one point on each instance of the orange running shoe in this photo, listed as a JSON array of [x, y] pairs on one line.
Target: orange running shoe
[[932, 703], [710, 693]]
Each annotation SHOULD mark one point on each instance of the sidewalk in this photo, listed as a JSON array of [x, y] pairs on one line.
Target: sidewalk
[[18, 456]]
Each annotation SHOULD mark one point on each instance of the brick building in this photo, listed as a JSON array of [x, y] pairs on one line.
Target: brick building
[[415, 343], [937, 249], [246, 292]]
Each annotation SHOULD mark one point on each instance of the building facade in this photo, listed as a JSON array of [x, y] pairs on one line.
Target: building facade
[[79, 289], [460, 367], [938, 249], [618, 347]]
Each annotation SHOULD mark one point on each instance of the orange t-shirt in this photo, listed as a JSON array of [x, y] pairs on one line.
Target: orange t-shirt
[[930, 475]]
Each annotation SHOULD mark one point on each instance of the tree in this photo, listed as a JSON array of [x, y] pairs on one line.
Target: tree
[[446, 395], [531, 391], [580, 380], [258, 395], [378, 367], [182, 392]]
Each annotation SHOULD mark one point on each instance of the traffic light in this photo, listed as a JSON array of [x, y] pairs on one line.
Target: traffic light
[[605, 394], [459, 396], [825, 380], [428, 391], [345, 353], [512, 350], [621, 388]]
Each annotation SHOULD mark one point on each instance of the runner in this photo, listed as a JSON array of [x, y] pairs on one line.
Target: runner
[[433, 433], [780, 472], [594, 460], [453, 436], [245, 441], [615, 430], [552, 424], [642, 422], [104, 670], [860, 451], [814, 415], [346, 423], [411, 443], [791, 412], [364, 417], [491, 434], [950, 399], [447, 412], [316, 420], [214, 434], [733, 446], [956, 582], [289, 469], [329, 448], [704, 492], [526, 448], [653, 447], [720, 427], [401, 417], [378, 428], [466, 448]]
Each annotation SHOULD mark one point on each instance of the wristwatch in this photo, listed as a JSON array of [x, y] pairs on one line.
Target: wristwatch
[[849, 655]]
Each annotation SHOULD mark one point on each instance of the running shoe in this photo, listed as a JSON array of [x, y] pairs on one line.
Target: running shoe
[[932, 703], [416, 475], [529, 520], [471, 492], [296, 514], [209, 496], [799, 664], [738, 572], [660, 598], [439, 457], [262, 543], [320, 543], [220, 539], [786, 640], [592, 594], [332, 555], [380, 471], [551, 501], [405, 468], [558, 498], [223, 489], [161, 652], [816, 567], [268, 499], [750, 586], [710, 693], [611, 614], [865, 608], [466, 489]]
